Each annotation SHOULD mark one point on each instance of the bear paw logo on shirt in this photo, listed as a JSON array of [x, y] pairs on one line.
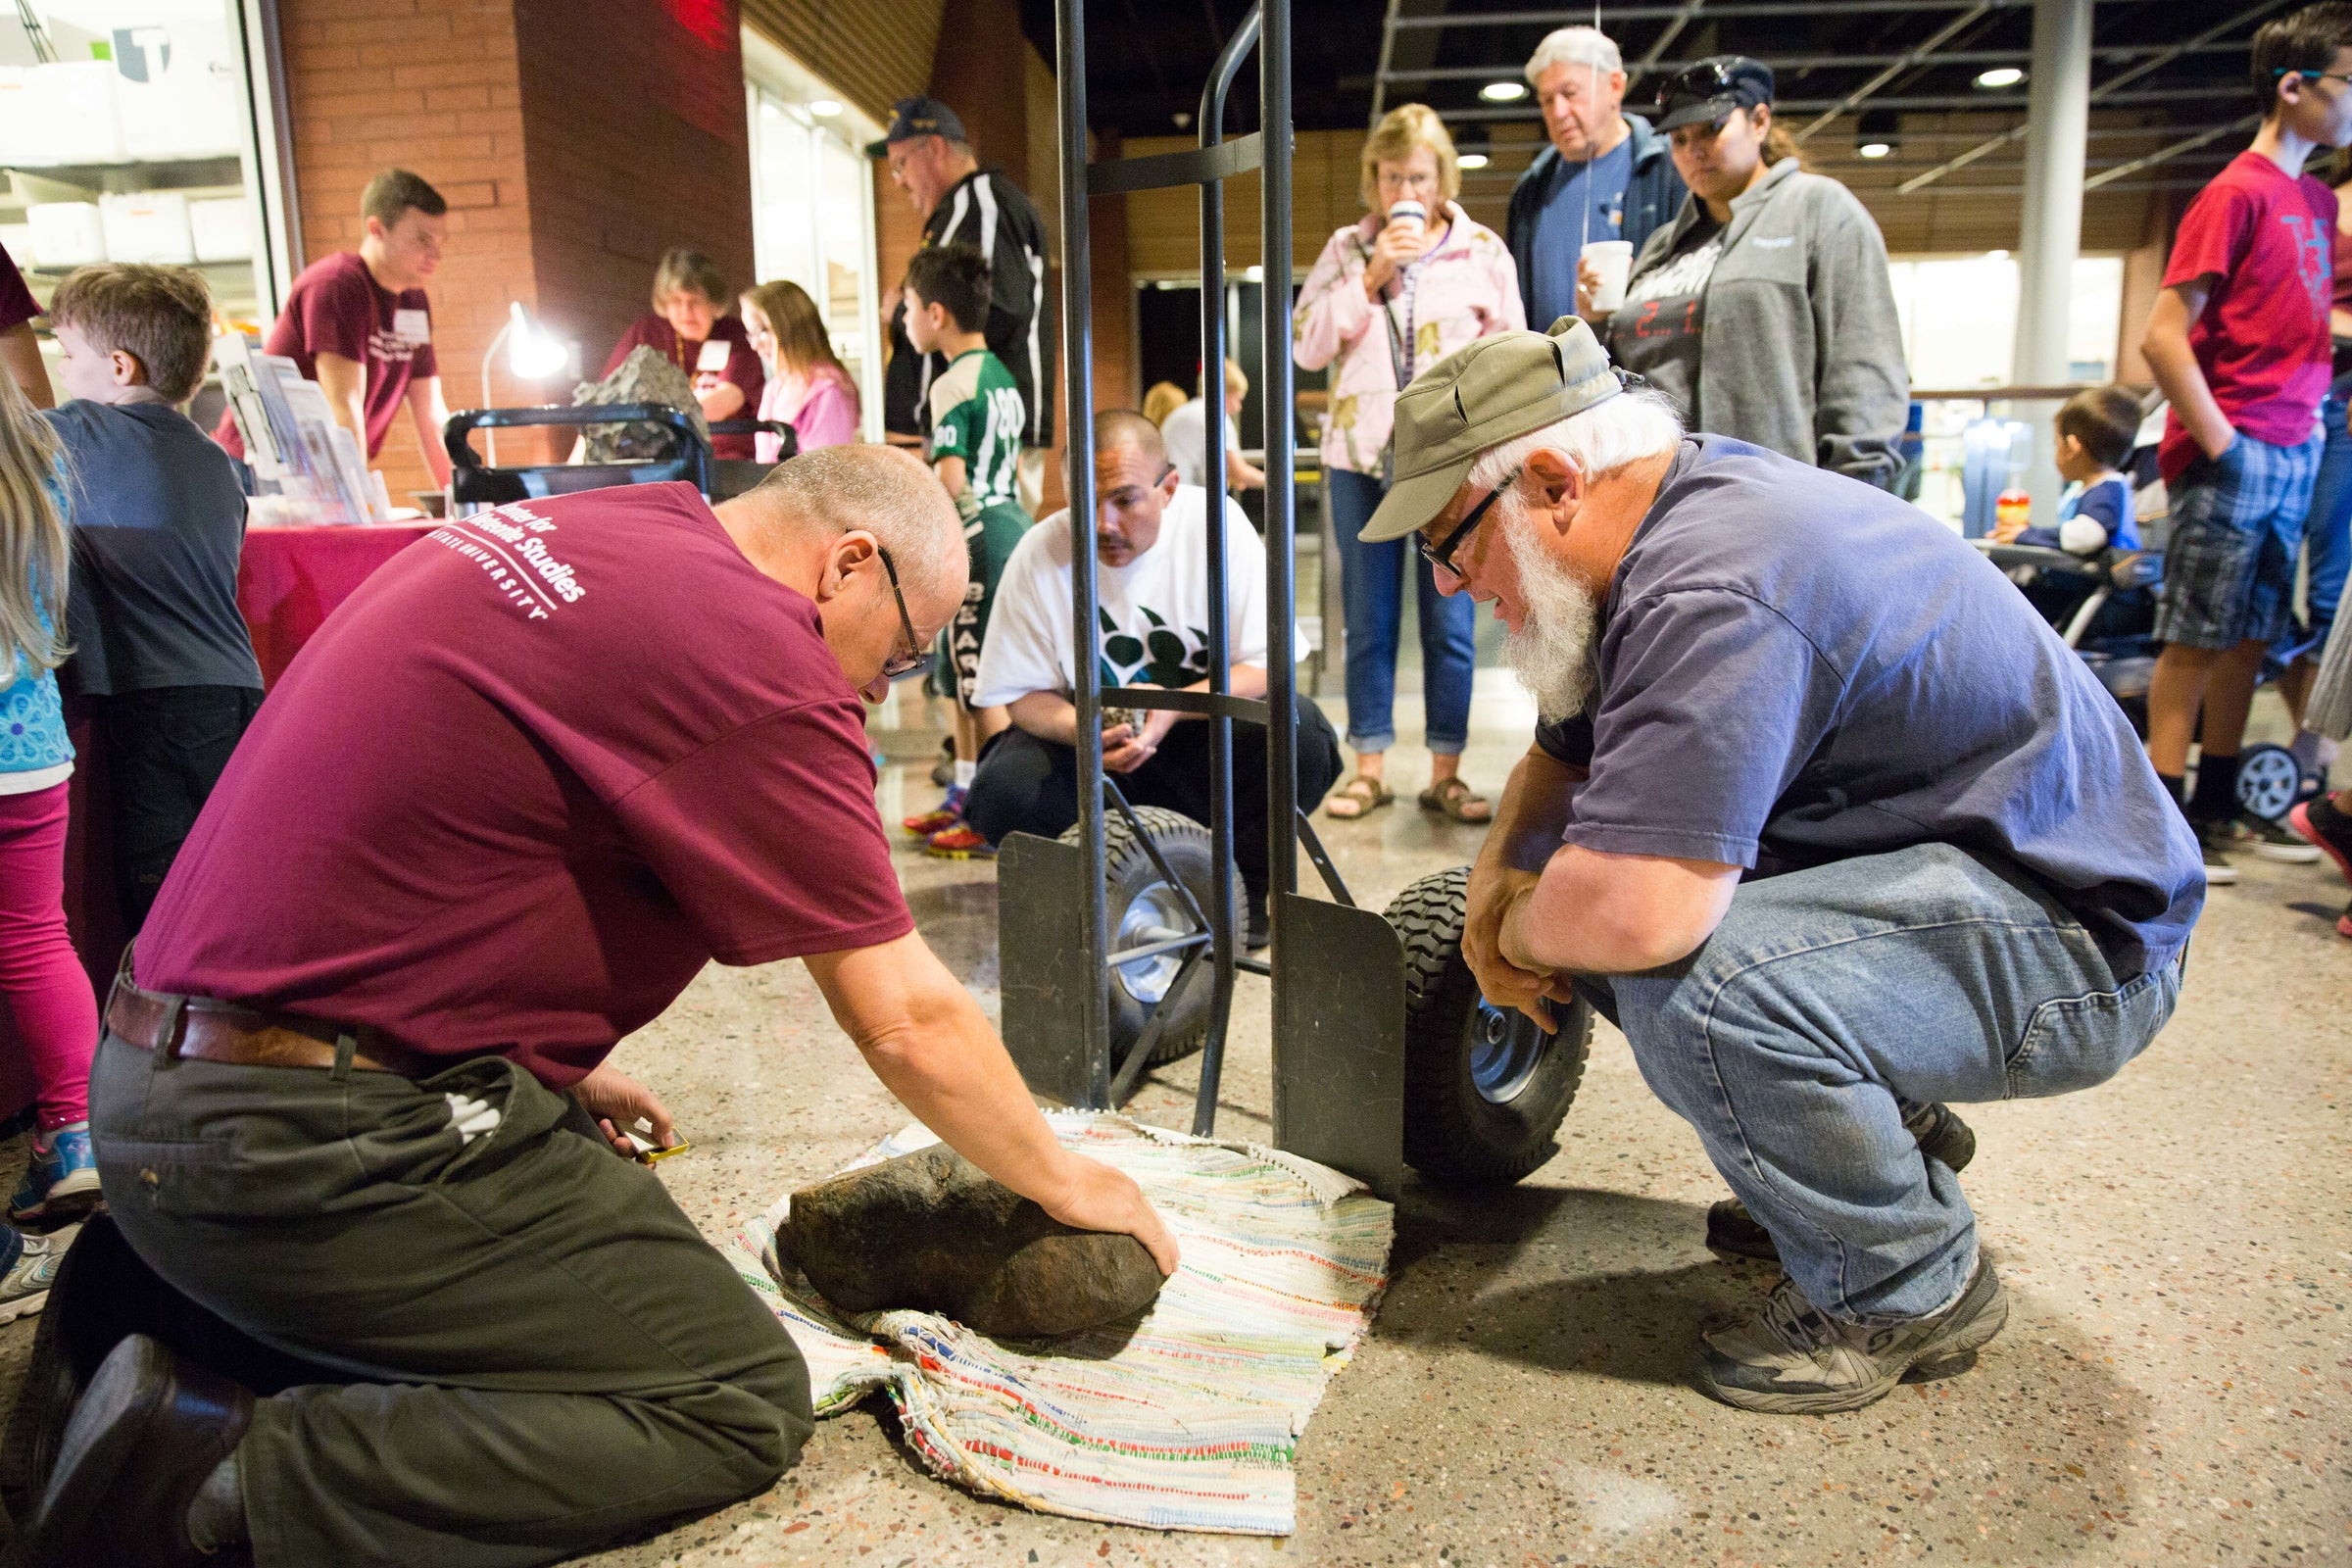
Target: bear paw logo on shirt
[[1162, 655]]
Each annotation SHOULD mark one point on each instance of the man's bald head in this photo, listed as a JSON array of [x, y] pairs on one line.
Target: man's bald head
[[821, 495], [1127, 429]]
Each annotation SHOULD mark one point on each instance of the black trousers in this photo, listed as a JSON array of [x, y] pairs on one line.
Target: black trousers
[[1026, 785], [164, 750]]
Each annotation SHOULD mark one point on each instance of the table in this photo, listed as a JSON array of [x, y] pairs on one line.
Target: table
[[291, 579]]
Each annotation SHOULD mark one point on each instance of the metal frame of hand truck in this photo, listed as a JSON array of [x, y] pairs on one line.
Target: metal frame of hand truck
[[1337, 971]]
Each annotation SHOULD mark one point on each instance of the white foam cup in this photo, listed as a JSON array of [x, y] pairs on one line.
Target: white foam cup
[[1410, 212], [1613, 260]]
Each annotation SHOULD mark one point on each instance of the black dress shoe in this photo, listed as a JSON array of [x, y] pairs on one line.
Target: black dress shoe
[[148, 1430]]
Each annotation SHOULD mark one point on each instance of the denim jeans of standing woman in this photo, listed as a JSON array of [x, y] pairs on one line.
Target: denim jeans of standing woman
[[1372, 585]]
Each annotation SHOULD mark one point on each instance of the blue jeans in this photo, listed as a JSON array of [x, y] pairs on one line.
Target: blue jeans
[[1786, 1038], [2327, 526], [1371, 578]]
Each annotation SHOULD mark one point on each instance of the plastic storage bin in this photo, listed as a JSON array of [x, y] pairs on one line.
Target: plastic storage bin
[[59, 113], [66, 234], [150, 227], [222, 227]]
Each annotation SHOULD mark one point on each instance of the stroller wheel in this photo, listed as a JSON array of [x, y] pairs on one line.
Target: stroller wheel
[[2269, 781]]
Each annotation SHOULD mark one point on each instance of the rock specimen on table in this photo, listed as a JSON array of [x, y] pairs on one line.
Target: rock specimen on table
[[647, 376], [931, 1232]]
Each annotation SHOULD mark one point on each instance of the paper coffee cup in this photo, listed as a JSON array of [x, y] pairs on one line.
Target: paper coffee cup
[[1612, 259], [1409, 213]]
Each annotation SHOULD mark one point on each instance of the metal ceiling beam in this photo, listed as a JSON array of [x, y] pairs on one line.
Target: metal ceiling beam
[[2103, 93], [2187, 144], [1903, 63], [1383, 76], [1926, 101], [1729, 11], [1951, 57], [1667, 34]]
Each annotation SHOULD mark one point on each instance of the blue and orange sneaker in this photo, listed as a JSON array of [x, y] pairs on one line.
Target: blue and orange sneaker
[[930, 823], [60, 1183], [960, 841]]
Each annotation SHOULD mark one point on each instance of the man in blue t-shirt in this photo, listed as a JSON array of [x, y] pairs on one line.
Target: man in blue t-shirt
[[1829, 854], [1606, 174]]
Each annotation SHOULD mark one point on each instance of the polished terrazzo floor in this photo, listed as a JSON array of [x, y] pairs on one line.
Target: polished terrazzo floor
[[2175, 1385]]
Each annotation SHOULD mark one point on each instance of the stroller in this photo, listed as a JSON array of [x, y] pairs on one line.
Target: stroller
[[2103, 606]]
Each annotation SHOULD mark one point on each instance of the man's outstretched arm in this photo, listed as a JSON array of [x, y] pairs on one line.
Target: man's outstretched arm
[[931, 1046]]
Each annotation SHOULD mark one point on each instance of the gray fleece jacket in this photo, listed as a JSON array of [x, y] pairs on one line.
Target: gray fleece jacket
[[1801, 349]]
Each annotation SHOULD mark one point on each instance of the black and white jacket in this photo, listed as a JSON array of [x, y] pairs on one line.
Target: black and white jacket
[[991, 213]]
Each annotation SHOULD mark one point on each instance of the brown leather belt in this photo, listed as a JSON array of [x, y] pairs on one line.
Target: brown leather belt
[[205, 1030]]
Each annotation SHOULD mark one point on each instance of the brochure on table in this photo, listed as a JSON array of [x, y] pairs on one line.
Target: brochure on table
[[307, 468]]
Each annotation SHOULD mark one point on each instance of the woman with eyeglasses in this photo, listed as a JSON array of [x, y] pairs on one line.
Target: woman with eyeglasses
[[1389, 297], [1764, 309]]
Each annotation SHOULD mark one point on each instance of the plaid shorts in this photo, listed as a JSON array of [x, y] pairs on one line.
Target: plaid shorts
[[2230, 562]]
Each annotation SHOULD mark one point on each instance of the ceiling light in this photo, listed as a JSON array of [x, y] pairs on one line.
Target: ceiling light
[[1472, 160], [823, 108], [1996, 256], [1503, 92], [1874, 149], [2000, 77], [1255, 274]]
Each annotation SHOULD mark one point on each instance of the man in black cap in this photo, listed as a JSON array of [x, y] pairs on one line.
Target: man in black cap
[[961, 203]]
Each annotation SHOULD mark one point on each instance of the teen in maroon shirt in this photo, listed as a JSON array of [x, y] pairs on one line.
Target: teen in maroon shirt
[[713, 350], [2238, 342], [357, 322], [19, 350], [520, 787]]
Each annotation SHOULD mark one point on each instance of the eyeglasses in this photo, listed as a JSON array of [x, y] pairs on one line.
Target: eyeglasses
[[908, 662], [2313, 76], [1440, 556]]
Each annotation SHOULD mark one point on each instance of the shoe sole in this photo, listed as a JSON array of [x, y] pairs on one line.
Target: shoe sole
[[1933, 1361], [66, 1204], [2300, 821], [22, 1307], [2220, 876], [2289, 853], [960, 855]]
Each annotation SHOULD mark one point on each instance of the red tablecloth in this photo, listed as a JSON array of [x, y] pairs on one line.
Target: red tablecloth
[[291, 579], [289, 582]]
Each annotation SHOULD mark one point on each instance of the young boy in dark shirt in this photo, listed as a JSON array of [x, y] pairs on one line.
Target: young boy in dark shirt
[[2239, 342], [159, 520]]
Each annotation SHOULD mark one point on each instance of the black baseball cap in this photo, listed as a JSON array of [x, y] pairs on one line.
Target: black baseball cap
[[1712, 88], [917, 117]]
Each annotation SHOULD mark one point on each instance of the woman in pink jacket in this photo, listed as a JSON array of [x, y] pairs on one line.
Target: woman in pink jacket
[[807, 387], [1390, 297]]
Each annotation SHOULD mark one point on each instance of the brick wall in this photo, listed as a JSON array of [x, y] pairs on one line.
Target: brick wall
[[575, 142], [427, 85], [636, 142]]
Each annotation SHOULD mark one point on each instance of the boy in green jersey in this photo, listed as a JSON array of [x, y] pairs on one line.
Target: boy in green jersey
[[975, 448]]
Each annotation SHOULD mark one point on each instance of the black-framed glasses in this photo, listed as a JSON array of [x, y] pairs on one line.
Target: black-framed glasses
[[908, 662], [1440, 556]]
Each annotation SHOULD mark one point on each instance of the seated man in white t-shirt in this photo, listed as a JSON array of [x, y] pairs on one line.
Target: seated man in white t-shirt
[[1186, 432], [1150, 549]]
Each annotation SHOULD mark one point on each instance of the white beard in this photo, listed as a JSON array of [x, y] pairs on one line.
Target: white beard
[[1552, 652]]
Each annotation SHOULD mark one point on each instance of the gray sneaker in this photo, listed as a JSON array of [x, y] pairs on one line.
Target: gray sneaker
[[25, 1287], [2267, 840], [1791, 1359]]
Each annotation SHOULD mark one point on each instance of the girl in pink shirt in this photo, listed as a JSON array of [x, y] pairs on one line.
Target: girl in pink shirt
[[1390, 296], [807, 387]]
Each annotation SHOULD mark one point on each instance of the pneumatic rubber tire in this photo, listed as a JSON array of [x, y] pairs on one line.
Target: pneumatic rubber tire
[[1456, 1132], [1129, 876]]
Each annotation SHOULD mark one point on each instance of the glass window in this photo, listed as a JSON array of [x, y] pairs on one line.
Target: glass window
[[813, 207], [127, 134]]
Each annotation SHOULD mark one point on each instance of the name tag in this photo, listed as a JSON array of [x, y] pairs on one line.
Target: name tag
[[1776, 243], [414, 327], [713, 356]]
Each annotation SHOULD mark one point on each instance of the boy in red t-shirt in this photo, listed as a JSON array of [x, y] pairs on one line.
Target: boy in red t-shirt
[[2238, 341]]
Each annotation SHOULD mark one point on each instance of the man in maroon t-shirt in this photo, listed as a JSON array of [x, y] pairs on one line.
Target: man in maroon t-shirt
[[357, 322], [2238, 341], [519, 788], [19, 350]]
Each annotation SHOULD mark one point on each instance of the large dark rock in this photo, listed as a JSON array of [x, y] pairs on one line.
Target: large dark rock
[[931, 1232]]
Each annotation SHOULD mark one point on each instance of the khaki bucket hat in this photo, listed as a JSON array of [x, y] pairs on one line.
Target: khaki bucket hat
[[1498, 389]]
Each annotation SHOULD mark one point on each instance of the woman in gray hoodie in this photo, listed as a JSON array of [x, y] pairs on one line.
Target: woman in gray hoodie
[[1764, 309]]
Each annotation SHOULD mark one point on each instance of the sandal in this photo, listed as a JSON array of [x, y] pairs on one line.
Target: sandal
[[1368, 795], [1456, 799]]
